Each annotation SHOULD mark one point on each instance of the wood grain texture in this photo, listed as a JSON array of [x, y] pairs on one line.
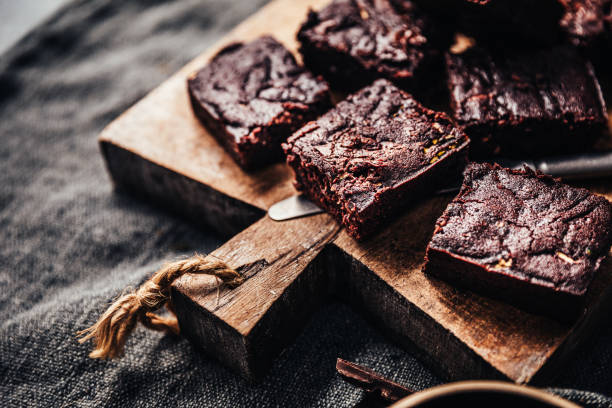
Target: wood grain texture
[[245, 327], [514, 343], [159, 150]]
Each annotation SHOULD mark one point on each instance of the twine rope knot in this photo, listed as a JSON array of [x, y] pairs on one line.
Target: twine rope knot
[[113, 328]]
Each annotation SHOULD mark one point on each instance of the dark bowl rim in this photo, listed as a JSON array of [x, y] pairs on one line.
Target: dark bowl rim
[[462, 387]]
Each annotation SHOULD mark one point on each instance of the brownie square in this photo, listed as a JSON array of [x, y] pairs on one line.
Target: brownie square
[[522, 237], [371, 155], [517, 23], [526, 104], [353, 42], [252, 96]]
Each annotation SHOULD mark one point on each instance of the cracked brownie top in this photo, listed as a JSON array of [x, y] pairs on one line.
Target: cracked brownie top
[[250, 85], [527, 225], [552, 85], [384, 36], [375, 140]]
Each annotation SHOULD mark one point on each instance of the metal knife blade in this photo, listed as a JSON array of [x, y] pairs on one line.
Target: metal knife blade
[[293, 207], [584, 166]]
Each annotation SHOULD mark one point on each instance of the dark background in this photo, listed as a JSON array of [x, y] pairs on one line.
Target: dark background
[[69, 243]]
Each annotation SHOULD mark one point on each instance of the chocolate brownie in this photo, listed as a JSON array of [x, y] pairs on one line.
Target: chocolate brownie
[[526, 104], [588, 25], [376, 151], [353, 42], [587, 21], [522, 237], [251, 97], [518, 23]]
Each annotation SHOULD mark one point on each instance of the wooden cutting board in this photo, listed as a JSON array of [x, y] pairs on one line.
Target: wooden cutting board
[[158, 149]]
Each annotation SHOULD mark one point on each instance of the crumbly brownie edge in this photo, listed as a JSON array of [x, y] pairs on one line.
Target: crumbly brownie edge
[[361, 225], [311, 182], [216, 128], [538, 296], [465, 274], [262, 145], [602, 101], [423, 183]]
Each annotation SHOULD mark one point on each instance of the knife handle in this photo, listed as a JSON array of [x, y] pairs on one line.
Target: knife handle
[[590, 165]]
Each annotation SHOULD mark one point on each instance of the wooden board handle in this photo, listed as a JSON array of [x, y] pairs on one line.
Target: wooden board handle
[[247, 326]]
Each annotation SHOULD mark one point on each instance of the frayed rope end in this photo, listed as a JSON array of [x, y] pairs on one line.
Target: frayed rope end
[[113, 328]]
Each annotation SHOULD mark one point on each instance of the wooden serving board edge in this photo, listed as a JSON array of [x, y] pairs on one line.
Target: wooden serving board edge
[[142, 172], [182, 195]]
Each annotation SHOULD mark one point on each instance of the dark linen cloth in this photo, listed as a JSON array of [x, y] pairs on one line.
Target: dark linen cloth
[[69, 243]]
